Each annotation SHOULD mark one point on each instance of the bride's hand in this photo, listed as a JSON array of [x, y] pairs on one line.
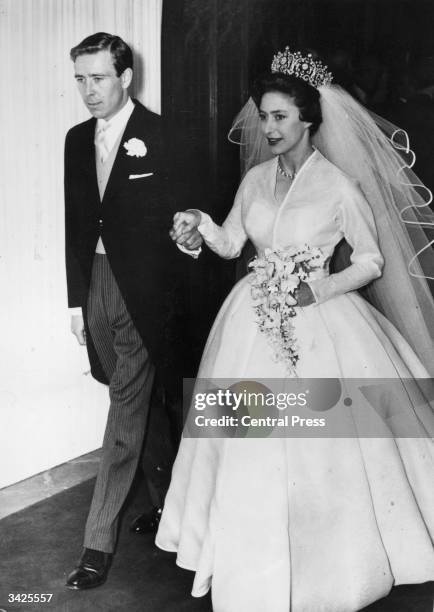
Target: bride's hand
[[185, 225], [304, 295]]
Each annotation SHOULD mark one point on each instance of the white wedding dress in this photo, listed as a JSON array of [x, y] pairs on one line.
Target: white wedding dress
[[303, 525]]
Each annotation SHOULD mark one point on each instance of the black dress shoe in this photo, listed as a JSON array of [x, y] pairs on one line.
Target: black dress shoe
[[147, 522], [91, 571]]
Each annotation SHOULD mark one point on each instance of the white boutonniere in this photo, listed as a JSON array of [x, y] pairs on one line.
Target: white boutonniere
[[135, 147]]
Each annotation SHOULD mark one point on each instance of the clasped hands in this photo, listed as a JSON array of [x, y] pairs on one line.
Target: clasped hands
[[184, 230]]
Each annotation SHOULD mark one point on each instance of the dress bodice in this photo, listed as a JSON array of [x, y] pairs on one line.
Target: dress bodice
[[307, 215], [322, 206]]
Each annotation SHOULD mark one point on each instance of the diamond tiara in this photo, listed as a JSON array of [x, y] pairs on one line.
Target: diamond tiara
[[304, 67]]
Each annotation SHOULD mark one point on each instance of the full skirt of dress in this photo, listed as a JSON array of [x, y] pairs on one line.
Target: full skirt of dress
[[303, 524]]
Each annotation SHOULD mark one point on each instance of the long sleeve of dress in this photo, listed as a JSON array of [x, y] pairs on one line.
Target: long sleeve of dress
[[357, 225], [226, 240]]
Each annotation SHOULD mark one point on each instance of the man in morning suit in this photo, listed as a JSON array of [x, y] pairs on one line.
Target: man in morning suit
[[120, 267]]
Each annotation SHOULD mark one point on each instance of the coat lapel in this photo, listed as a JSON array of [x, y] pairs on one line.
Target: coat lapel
[[88, 150], [119, 172], [87, 158]]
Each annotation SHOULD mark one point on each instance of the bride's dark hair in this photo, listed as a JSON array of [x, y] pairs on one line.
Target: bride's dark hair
[[305, 97]]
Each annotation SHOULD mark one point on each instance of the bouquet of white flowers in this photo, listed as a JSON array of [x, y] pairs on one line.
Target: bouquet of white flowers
[[275, 280]]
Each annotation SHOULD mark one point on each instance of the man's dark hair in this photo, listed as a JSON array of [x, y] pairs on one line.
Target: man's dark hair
[[121, 53], [305, 96]]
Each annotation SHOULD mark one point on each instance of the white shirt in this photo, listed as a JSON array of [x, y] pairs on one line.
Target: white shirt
[[116, 125]]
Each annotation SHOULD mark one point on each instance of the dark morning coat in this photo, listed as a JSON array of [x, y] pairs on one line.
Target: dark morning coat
[[133, 219]]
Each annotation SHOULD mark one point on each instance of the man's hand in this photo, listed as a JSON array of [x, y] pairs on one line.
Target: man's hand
[[304, 295], [193, 240], [184, 229], [77, 328]]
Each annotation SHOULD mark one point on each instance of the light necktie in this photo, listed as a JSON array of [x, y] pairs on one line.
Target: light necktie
[[101, 140]]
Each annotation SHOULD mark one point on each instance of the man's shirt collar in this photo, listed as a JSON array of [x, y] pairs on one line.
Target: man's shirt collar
[[116, 125]]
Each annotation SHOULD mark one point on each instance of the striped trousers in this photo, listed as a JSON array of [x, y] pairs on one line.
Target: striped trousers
[[126, 363]]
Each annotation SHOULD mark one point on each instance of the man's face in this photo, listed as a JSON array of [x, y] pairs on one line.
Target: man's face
[[103, 92]]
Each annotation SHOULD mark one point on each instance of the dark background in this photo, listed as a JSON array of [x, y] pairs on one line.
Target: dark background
[[211, 51]]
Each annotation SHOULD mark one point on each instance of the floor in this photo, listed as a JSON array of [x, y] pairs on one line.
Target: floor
[[41, 486], [39, 545]]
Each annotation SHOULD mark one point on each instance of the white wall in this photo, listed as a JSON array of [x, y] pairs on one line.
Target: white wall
[[50, 408]]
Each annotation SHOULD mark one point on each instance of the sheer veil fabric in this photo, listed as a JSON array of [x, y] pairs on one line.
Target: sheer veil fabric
[[373, 152]]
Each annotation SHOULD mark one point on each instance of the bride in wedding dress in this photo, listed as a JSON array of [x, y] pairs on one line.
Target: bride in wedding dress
[[313, 524]]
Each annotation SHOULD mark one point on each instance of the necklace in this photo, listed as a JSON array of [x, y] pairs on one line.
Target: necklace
[[281, 170]]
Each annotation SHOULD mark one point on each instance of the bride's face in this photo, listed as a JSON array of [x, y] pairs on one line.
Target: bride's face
[[281, 124]]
